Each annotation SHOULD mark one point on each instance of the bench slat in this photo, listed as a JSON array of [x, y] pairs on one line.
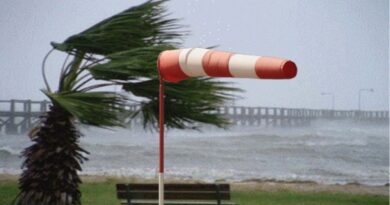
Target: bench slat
[[174, 195], [181, 187], [167, 202]]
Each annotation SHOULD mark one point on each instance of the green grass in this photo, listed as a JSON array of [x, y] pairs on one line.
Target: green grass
[[8, 191], [294, 198], [103, 193]]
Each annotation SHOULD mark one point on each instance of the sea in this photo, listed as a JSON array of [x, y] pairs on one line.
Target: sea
[[325, 152]]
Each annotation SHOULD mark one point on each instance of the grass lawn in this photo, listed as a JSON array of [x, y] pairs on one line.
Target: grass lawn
[[103, 193]]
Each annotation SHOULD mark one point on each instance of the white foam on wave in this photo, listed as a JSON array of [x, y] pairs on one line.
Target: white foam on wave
[[13, 171], [229, 175], [10, 150]]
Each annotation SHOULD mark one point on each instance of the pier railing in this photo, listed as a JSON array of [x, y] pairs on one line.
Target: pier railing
[[18, 116]]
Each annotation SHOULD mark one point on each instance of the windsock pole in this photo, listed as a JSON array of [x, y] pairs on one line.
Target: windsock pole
[[161, 151], [181, 64]]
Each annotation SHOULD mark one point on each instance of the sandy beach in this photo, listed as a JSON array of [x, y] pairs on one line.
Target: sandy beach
[[248, 185]]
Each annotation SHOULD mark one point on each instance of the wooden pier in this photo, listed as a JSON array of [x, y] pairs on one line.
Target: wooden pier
[[19, 116]]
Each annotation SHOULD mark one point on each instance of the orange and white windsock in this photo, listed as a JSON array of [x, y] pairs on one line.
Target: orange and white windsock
[[178, 65]]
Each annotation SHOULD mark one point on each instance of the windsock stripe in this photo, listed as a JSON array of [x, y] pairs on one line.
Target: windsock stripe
[[275, 68], [216, 63], [243, 66], [190, 61], [171, 70]]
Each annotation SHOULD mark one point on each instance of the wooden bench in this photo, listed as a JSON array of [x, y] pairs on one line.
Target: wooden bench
[[175, 194]]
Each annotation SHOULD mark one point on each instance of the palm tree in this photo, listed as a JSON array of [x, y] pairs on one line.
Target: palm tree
[[121, 50]]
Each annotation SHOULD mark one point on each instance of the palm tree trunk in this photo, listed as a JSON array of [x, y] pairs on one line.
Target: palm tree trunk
[[50, 169]]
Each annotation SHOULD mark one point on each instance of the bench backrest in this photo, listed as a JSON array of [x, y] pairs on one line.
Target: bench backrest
[[175, 191]]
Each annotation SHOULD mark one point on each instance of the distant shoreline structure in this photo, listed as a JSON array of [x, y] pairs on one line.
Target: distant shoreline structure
[[19, 116]]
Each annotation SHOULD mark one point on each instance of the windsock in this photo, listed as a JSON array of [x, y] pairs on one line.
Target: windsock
[[178, 65]]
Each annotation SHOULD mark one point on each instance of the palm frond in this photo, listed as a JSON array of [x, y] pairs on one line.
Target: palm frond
[[92, 108], [140, 26], [130, 64], [69, 76], [128, 45], [193, 100]]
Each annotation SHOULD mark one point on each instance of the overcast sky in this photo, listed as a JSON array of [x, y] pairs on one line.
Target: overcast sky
[[340, 46]]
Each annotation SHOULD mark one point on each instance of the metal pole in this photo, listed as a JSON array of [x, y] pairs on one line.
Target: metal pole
[[161, 159]]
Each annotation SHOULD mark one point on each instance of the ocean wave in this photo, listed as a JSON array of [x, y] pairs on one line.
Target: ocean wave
[[230, 175], [6, 150], [324, 154], [12, 171]]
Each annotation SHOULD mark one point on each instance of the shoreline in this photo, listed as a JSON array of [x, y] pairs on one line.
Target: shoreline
[[246, 185]]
